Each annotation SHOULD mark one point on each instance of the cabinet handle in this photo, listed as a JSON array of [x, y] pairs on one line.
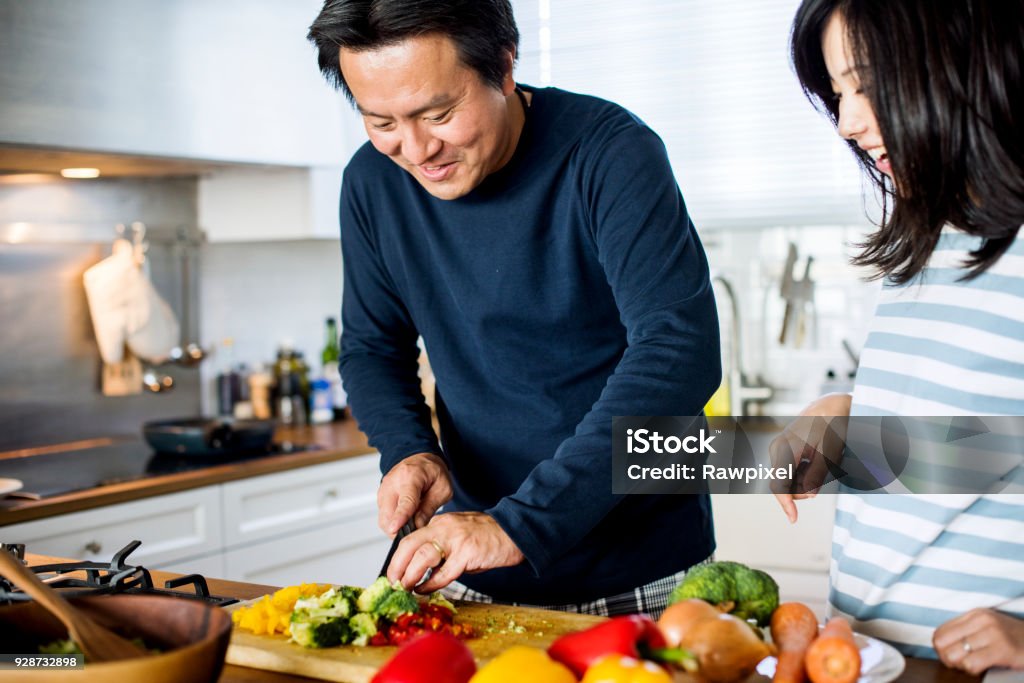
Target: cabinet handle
[[331, 493], [93, 547]]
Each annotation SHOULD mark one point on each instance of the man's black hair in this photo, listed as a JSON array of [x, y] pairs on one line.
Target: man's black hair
[[483, 31]]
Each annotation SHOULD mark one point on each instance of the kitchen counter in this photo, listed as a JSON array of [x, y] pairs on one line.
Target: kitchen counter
[[917, 671], [337, 441]]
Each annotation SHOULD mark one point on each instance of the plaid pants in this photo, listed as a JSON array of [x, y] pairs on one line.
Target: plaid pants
[[651, 598]]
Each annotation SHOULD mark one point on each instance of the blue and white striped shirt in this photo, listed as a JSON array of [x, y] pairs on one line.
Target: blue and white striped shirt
[[904, 564]]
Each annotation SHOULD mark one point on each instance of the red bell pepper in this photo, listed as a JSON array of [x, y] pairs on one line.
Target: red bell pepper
[[429, 658], [635, 636]]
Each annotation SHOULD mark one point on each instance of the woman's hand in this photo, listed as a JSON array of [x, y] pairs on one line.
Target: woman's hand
[[980, 639], [811, 438]]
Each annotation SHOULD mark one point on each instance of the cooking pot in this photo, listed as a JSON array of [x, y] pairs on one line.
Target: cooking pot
[[203, 436]]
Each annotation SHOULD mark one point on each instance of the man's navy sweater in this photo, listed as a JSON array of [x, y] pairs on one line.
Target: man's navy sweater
[[569, 287]]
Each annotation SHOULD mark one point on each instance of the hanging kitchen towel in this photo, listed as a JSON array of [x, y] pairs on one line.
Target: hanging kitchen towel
[[127, 309], [151, 326], [107, 290]]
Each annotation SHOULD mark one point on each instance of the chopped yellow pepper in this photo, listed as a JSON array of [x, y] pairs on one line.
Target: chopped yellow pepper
[[521, 663], [623, 669], [272, 613]]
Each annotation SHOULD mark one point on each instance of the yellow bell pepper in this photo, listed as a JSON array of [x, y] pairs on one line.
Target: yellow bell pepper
[[623, 669], [521, 663]]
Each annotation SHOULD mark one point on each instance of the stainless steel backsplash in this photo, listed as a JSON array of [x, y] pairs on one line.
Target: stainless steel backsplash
[[49, 361]]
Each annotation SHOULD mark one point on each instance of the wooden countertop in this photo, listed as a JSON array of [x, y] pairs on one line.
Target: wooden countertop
[[339, 440], [917, 671]]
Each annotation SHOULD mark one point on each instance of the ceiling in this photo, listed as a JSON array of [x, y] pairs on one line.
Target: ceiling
[[16, 160]]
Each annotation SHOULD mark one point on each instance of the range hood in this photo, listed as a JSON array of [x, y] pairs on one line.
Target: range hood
[[28, 164], [157, 83]]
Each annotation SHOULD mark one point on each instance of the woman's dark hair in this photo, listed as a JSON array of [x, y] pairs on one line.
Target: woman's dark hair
[[944, 78], [482, 30]]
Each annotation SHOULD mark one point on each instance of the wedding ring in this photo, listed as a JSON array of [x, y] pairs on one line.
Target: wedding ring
[[967, 646], [439, 549]]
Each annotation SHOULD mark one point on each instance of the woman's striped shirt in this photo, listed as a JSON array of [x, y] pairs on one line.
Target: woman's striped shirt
[[902, 564]]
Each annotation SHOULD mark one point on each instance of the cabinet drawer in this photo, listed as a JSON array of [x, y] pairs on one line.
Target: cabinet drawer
[[170, 527], [275, 504], [349, 552]]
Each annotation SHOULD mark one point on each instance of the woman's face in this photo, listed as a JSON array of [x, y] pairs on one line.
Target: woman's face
[[856, 117]]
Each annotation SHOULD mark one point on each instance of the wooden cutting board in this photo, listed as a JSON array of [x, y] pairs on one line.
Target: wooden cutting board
[[349, 664]]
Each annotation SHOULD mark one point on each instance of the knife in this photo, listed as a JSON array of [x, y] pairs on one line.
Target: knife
[[407, 529]]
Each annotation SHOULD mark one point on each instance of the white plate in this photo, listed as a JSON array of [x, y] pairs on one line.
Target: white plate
[[9, 486], [879, 662]]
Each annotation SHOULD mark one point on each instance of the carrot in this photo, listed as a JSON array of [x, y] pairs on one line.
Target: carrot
[[793, 627], [789, 667], [834, 657]]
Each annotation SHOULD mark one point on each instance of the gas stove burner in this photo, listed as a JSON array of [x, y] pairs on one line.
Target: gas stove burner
[[113, 577]]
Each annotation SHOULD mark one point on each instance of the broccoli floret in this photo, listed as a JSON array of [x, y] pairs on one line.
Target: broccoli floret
[[335, 603], [372, 597], [437, 599], [747, 593], [712, 582], [350, 592], [397, 603], [309, 630], [757, 595], [364, 627]]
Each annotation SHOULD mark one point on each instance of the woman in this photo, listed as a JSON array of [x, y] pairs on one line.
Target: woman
[[929, 97]]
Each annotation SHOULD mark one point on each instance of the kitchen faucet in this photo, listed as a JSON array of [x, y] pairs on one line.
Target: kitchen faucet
[[741, 391]]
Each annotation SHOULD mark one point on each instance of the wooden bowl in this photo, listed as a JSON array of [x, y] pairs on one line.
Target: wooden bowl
[[191, 635]]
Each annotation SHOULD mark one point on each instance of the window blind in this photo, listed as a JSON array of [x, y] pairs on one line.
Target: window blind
[[713, 79]]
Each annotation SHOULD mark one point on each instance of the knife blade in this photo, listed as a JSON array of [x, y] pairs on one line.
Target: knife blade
[[406, 529]]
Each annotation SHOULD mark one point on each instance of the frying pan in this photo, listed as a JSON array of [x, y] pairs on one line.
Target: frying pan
[[206, 437]]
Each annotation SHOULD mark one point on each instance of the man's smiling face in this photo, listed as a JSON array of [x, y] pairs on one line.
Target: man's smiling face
[[431, 114]]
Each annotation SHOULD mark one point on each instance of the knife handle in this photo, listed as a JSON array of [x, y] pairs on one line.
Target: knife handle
[[406, 529]]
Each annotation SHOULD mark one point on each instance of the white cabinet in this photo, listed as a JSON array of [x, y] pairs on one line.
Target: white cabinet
[[316, 523], [750, 528], [349, 552], [250, 204], [278, 504], [171, 527]]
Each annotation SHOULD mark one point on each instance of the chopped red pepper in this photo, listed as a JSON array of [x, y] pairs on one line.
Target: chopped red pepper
[[435, 618], [635, 635], [430, 658]]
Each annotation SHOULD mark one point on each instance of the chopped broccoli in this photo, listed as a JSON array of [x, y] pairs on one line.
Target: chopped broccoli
[[60, 647], [372, 597], [711, 582], [745, 592], [350, 592], [397, 603], [309, 630], [436, 598], [364, 627], [336, 603]]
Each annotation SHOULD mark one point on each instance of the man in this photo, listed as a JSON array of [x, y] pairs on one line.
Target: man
[[538, 242]]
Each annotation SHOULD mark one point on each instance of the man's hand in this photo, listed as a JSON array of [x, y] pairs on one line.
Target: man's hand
[[809, 439], [452, 544], [414, 489], [980, 639]]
